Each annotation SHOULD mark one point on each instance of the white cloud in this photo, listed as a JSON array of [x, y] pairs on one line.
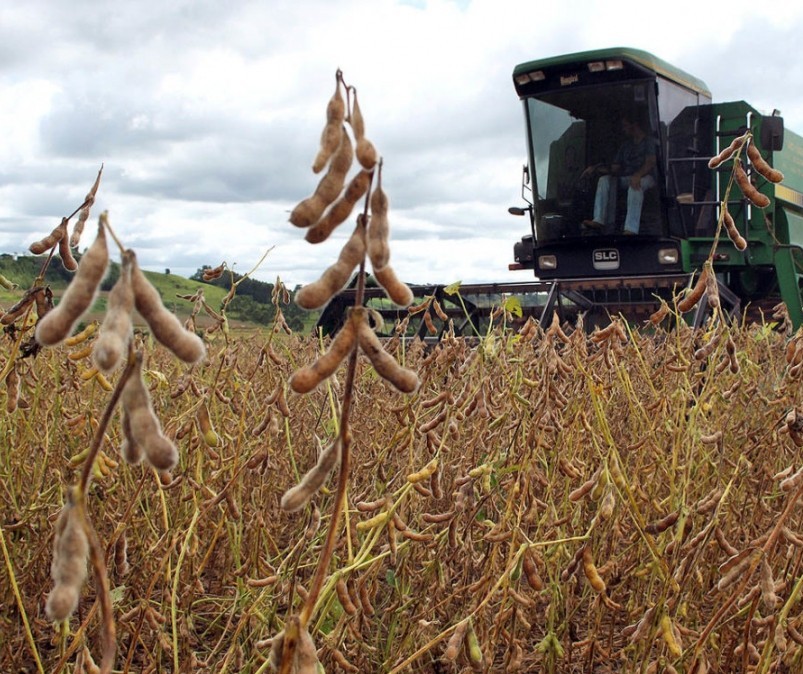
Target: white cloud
[[22, 104]]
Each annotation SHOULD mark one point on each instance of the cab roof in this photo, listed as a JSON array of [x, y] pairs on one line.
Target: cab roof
[[637, 56]]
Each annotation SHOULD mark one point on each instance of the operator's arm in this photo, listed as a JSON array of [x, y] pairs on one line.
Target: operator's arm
[[645, 169]]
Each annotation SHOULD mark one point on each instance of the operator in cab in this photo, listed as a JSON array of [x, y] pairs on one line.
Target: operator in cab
[[633, 168]]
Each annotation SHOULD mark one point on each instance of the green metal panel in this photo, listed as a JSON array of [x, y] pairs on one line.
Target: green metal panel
[[790, 162], [638, 56], [794, 226]]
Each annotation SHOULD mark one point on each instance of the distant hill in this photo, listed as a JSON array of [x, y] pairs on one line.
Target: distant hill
[[251, 305], [23, 270]]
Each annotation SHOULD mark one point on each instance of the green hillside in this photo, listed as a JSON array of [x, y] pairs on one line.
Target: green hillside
[[24, 269], [251, 307]]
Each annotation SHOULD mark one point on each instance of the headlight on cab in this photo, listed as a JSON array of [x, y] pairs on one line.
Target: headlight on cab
[[668, 256], [547, 262]]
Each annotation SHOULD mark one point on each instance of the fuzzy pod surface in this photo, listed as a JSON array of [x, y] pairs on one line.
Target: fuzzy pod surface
[[57, 324]]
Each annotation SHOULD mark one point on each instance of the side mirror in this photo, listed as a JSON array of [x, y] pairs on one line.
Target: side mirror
[[515, 210], [772, 133]]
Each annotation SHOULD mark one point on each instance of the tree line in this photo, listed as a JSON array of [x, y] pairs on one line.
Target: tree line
[[252, 302]]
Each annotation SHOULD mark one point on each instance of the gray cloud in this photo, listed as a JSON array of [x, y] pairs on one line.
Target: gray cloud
[[755, 66]]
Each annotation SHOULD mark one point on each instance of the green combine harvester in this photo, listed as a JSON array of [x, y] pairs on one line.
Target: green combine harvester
[[579, 110]]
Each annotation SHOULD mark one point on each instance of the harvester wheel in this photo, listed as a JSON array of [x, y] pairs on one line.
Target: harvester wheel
[[755, 283]]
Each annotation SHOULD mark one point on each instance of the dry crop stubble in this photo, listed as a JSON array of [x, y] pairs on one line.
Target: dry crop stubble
[[516, 441]]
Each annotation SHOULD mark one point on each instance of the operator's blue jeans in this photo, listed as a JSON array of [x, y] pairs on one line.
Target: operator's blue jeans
[[605, 201]]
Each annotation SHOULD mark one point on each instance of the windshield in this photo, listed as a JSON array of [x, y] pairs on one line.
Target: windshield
[[586, 145]]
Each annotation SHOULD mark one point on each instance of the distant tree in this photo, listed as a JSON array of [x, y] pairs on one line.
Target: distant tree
[[244, 308], [111, 277], [259, 291], [167, 271]]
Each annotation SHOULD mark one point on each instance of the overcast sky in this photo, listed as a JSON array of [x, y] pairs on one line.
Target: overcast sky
[[207, 114]]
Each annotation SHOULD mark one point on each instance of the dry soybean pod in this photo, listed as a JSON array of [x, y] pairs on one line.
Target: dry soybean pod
[[44, 301], [309, 211], [82, 336], [69, 567], [456, 641], [696, 293], [20, 306], [166, 327], [344, 598], [333, 133], [146, 431], [83, 215], [365, 598], [121, 565], [748, 189], [398, 292], [733, 233], [736, 567], [590, 570], [129, 449], [295, 498], [341, 209], [80, 293], [314, 295], [761, 165], [366, 153], [378, 228], [531, 572], [208, 433], [213, 273], [424, 474], [712, 291], [12, 389], [723, 542], [342, 662], [50, 241], [767, 584], [370, 506], [404, 379], [661, 313], [437, 518], [355, 116], [307, 378], [365, 150], [116, 329], [584, 489], [727, 152], [67, 259], [662, 524]]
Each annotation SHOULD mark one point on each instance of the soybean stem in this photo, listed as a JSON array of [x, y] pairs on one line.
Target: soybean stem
[[100, 432], [108, 631], [109, 229], [174, 593], [20, 605], [340, 496], [345, 460]]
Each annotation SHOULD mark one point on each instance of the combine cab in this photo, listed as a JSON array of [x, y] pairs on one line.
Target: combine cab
[[578, 109], [601, 248]]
